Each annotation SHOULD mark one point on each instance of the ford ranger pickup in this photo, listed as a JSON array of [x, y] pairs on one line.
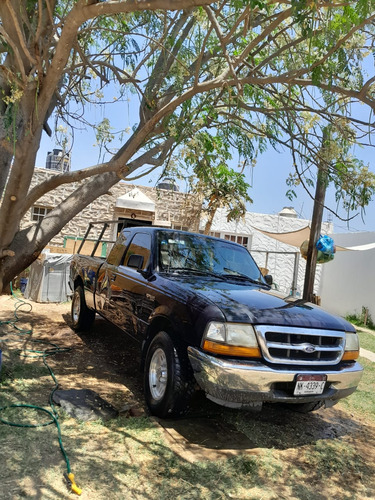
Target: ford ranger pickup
[[203, 315]]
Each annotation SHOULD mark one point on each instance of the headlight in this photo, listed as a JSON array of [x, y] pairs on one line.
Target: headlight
[[231, 339], [351, 347]]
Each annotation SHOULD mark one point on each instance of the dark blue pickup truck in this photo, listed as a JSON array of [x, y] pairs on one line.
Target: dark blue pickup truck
[[204, 315]]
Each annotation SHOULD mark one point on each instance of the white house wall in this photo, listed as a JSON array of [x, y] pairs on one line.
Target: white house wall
[[280, 266], [348, 282]]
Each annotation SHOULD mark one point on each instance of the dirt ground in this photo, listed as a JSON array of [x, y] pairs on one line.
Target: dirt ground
[[106, 361]]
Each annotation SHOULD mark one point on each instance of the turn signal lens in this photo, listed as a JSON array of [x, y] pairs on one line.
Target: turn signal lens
[[231, 350], [350, 355]]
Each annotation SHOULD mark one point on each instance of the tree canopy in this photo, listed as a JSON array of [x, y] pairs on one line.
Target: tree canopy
[[231, 77]]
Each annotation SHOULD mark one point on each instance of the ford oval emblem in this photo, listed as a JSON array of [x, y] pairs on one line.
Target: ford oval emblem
[[309, 348]]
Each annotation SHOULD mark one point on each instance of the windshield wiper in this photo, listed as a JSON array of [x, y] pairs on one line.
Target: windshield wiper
[[235, 275], [242, 277], [195, 271]]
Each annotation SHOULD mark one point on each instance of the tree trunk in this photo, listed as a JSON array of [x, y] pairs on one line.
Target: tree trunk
[[210, 220], [316, 225], [29, 242], [17, 188], [5, 162]]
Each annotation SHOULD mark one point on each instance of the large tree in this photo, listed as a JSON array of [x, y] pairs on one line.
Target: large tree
[[247, 74]]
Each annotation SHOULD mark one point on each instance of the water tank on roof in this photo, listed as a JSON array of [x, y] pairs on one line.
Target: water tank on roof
[[168, 184], [57, 160], [288, 212]]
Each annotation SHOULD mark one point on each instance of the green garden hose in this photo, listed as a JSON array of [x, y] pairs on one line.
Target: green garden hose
[[44, 354]]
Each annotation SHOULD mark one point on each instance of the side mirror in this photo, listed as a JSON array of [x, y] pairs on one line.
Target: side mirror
[[135, 261], [268, 279]]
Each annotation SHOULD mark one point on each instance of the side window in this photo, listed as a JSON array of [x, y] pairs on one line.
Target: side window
[[118, 249], [140, 245]]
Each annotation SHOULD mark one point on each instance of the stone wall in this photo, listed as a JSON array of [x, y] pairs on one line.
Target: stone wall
[[171, 208]]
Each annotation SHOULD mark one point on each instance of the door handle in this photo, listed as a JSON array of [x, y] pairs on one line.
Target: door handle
[[113, 278]]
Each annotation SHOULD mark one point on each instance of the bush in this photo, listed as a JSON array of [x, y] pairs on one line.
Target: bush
[[363, 319]]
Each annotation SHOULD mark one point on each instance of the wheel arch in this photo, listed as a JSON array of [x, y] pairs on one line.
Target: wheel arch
[[158, 324], [82, 317], [169, 382]]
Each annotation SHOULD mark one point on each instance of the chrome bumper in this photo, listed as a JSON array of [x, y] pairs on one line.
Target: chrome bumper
[[243, 383]]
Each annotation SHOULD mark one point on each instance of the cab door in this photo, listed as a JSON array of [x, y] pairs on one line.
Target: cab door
[[104, 285], [127, 286]]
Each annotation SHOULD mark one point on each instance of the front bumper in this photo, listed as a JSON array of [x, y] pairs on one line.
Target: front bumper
[[235, 383]]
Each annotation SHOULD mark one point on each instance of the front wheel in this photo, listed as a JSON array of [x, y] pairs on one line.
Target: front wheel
[[82, 316], [168, 378]]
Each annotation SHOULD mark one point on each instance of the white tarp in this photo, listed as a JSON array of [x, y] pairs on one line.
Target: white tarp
[[296, 238], [49, 278], [369, 246]]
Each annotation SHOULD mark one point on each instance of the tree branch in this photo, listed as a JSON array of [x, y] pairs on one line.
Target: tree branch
[[66, 178], [19, 34]]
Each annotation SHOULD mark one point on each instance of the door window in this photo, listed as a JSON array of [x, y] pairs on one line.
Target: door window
[[140, 245], [118, 249]]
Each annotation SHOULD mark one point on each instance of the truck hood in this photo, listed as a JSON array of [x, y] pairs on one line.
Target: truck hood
[[253, 304]]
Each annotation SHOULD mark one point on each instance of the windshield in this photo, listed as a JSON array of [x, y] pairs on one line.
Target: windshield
[[195, 253]]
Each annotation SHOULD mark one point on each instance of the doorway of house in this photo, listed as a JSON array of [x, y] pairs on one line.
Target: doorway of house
[[123, 222]]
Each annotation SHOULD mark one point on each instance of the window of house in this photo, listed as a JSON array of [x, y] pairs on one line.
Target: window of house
[[38, 213], [179, 227], [241, 239]]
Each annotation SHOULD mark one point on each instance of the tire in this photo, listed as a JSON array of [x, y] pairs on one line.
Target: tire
[[168, 378], [306, 407], [82, 316]]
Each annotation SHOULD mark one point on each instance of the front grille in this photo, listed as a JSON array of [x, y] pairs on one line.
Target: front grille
[[300, 346]]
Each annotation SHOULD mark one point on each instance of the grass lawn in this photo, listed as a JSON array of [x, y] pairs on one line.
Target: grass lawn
[[367, 340], [318, 456], [363, 399], [293, 455]]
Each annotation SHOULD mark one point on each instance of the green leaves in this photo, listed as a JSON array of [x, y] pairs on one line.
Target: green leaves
[[216, 85], [206, 160], [354, 184]]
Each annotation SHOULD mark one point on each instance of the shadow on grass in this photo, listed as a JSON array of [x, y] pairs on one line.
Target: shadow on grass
[[118, 358], [128, 458], [281, 454]]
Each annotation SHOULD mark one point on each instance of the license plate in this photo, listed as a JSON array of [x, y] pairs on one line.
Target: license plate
[[309, 384]]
